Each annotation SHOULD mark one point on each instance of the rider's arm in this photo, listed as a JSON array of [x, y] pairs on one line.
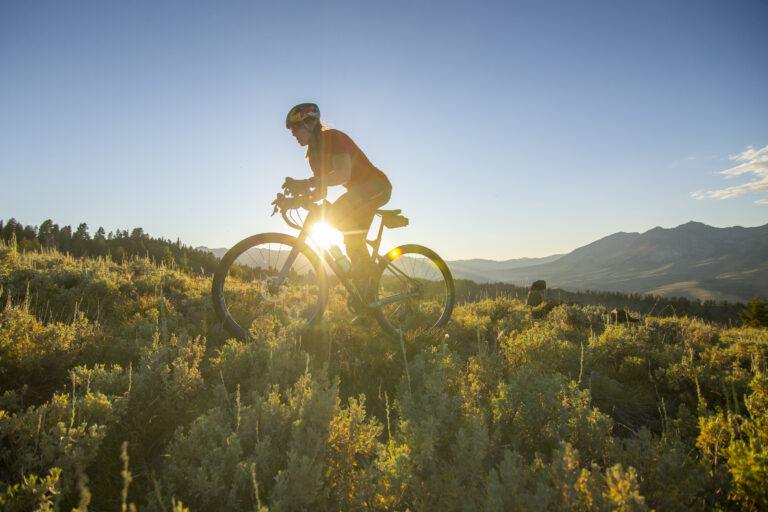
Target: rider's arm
[[341, 172]]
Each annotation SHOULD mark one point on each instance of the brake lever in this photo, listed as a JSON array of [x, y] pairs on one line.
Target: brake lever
[[276, 203]]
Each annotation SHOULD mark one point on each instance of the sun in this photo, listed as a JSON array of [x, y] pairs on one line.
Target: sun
[[324, 236]]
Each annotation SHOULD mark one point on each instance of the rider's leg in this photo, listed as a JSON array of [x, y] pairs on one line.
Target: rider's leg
[[358, 252], [352, 214]]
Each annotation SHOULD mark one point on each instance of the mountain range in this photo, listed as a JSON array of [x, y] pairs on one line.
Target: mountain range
[[692, 260]]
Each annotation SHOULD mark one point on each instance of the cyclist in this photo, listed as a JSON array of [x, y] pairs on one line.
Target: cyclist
[[336, 160]]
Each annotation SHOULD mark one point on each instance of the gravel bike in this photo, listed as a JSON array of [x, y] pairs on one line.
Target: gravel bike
[[275, 277]]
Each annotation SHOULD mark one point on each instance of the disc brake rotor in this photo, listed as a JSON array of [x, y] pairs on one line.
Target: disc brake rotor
[[266, 290]]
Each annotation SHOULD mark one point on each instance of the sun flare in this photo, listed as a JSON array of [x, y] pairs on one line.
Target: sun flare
[[324, 236]]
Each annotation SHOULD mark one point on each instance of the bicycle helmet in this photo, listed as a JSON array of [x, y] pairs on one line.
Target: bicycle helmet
[[301, 112]]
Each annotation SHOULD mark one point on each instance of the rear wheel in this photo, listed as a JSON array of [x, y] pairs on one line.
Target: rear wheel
[[244, 291], [416, 290]]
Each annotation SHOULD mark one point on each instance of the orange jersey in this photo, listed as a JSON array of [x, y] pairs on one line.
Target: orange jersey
[[332, 143]]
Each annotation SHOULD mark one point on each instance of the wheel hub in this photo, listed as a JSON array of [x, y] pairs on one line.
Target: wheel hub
[[272, 294]]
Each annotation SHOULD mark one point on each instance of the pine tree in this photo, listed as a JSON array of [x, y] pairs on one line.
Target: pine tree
[[10, 229], [755, 314], [46, 235], [82, 233]]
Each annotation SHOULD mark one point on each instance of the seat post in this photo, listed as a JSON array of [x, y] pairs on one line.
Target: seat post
[[376, 243]]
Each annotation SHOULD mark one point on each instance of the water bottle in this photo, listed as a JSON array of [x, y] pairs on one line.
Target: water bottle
[[341, 260]]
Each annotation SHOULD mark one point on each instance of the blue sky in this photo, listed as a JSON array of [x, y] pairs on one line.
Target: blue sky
[[508, 129]]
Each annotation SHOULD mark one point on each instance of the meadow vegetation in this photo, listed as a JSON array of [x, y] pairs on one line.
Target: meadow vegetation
[[120, 390]]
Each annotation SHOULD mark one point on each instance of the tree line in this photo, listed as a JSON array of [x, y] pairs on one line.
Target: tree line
[[119, 245]]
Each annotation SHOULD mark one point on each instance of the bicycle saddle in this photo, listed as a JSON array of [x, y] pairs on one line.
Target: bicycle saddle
[[392, 218], [389, 213]]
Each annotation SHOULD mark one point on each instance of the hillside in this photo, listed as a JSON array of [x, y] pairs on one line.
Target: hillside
[[692, 260], [121, 388], [483, 270]]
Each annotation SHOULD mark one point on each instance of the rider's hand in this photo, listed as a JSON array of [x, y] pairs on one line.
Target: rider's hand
[[299, 187], [296, 187], [287, 203]]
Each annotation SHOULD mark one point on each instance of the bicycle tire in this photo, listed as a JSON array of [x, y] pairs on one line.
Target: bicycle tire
[[240, 290], [410, 269]]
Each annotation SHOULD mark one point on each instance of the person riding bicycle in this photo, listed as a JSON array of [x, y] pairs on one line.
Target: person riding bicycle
[[336, 160]]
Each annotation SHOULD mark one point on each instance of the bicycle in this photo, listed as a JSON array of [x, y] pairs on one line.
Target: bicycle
[[276, 277]]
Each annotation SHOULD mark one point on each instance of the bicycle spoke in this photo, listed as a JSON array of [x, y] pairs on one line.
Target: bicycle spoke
[[246, 292], [415, 290]]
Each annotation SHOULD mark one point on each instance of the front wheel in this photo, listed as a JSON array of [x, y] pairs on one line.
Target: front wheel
[[248, 295], [414, 290]]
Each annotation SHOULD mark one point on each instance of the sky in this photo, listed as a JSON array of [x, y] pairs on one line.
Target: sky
[[508, 129]]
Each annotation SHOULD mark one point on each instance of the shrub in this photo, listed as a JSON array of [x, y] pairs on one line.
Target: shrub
[[534, 411], [64, 433], [561, 485], [272, 450], [747, 452], [435, 459]]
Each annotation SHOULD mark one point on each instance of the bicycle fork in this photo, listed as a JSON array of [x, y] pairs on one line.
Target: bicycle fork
[[302, 238]]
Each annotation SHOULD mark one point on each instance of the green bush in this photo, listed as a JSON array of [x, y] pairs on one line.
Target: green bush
[[561, 485], [40, 355], [232, 458]]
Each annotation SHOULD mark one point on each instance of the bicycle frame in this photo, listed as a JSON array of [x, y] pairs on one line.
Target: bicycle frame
[[314, 210], [409, 287]]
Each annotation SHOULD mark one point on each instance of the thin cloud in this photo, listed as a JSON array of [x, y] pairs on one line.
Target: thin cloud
[[753, 162]]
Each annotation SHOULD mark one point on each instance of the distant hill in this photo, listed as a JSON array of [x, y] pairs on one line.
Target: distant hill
[[483, 271], [216, 252], [692, 260]]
